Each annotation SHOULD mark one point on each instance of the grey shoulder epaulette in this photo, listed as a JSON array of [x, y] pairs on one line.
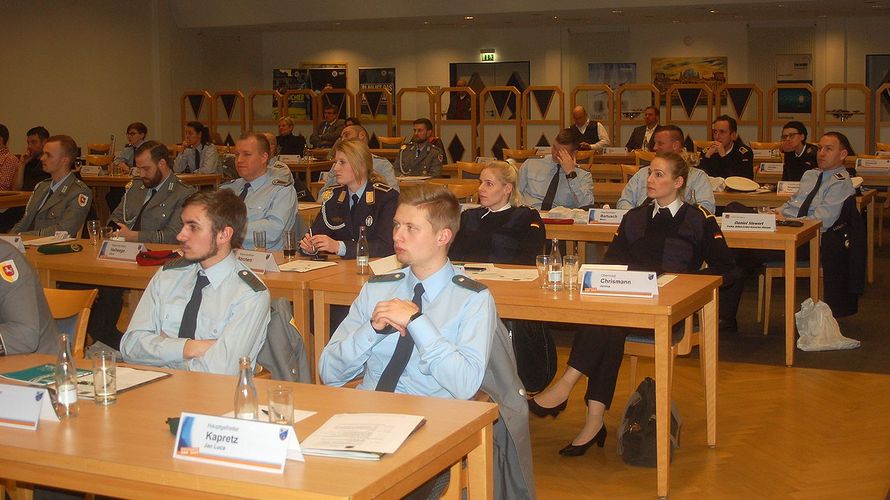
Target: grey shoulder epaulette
[[252, 281], [470, 284], [705, 211], [177, 263], [384, 278], [281, 182]]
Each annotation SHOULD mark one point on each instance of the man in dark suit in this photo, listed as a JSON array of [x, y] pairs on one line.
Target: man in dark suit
[[643, 137], [328, 130]]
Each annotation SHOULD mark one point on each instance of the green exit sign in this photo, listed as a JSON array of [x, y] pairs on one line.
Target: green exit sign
[[486, 55]]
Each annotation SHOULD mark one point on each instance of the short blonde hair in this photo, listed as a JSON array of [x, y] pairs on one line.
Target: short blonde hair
[[442, 208], [507, 174], [359, 157], [288, 120]]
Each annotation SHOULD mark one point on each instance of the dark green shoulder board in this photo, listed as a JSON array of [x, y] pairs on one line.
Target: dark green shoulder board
[[252, 281], [177, 263], [464, 282], [385, 278]]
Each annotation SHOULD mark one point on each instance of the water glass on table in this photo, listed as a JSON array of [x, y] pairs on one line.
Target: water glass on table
[[105, 233], [104, 377], [93, 227], [289, 244], [259, 241], [570, 272], [543, 263], [281, 405]]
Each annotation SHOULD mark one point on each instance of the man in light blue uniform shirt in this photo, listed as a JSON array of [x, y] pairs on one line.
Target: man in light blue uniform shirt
[[425, 330], [125, 159], [381, 165], [271, 203], [556, 180], [669, 139], [204, 311]]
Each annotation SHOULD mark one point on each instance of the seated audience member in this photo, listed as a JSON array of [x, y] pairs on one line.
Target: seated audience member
[[10, 167], [667, 235], [199, 154], [556, 180], [288, 143], [26, 324], [501, 230], [125, 159], [698, 190], [34, 173], [271, 203], [351, 120], [381, 165], [727, 155], [593, 133], [459, 105], [204, 311], [62, 202], [798, 155], [423, 154], [328, 130], [280, 171], [643, 137], [360, 199]]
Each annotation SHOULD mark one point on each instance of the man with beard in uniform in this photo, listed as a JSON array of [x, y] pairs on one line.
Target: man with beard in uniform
[[423, 154]]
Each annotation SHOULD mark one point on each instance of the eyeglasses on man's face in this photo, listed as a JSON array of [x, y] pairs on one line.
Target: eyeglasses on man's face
[[788, 137]]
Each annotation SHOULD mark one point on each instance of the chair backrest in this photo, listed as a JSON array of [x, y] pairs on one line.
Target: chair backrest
[[584, 156], [644, 156], [882, 146], [65, 304], [765, 145], [390, 142], [628, 171], [174, 149], [519, 154], [100, 160], [469, 170], [465, 191], [98, 148], [700, 145]]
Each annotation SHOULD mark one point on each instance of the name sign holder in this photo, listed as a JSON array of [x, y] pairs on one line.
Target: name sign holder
[[610, 216], [787, 187], [615, 151], [91, 170], [290, 158], [772, 168], [230, 442], [258, 262], [125, 251], [761, 223], [23, 407], [619, 283], [764, 153]]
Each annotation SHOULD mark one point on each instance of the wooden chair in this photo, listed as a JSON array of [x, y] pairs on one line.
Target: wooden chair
[[463, 191], [643, 156], [765, 145], [98, 148], [602, 172], [390, 142], [469, 170], [628, 171], [882, 146], [700, 145], [519, 155], [584, 157], [174, 149], [101, 160], [637, 346], [64, 304], [765, 288]]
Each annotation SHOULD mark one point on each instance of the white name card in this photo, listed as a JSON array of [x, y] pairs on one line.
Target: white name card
[[243, 444], [91, 170], [15, 241], [485, 160], [764, 153], [883, 154], [290, 158], [23, 407], [120, 250], [258, 262], [615, 151], [772, 168], [543, 150], [605, 216], [765, 223], [787, 187], [619, 283], [876, 163]]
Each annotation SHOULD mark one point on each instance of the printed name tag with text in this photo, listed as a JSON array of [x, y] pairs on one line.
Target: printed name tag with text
[[258, 262], [120, 250]]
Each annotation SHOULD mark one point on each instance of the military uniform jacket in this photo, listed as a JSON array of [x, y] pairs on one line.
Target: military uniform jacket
[[738, 162], [327, 134], [65, 210], [381, 165], [26, 324], [636, 139], [375, 209], [698, 190], [828, 202], [161, 220], [511, 236], [419, 159], [796, 165]]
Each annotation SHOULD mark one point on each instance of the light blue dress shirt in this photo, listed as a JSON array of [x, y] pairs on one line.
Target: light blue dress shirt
[[829, 201], [698, 190], [210, 162], [534, 179], [271, 207]]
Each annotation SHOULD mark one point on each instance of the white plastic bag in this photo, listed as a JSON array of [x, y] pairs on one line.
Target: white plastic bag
[[819, 330]]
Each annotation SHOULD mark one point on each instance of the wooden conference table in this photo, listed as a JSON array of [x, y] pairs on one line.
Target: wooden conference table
[[307, 168], [125, 450], [9, 199], [101, 184], [679, 299], [786, 239]]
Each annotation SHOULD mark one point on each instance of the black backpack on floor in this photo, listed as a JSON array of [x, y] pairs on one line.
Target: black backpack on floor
[[535, 353], [637, 434]]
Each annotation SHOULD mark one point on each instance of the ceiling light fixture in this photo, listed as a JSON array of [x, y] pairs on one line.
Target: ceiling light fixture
[[469, 18]]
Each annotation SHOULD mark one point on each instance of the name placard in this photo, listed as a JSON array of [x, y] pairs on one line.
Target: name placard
[[615, 151], [605, 215], [765, 223], [230, 442], [15, 241], [485, 160], [619, 283], [258, 262], [764, 153], [91, 170], [125, 251], [23, 407], [773, 168], [290, 158], [883, 154], [788, 187], [872, 164]]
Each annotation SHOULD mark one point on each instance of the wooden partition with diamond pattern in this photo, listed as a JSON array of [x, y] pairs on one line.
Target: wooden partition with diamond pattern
[[457, 133], [500, 125]]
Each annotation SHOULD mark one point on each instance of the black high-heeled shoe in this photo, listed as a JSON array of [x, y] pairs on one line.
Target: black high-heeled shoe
[[577, 450], [541, 411]]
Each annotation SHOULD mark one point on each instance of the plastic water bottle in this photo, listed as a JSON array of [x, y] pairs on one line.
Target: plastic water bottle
[[362, 252], [554, 275], [66, 380], [246, 407]]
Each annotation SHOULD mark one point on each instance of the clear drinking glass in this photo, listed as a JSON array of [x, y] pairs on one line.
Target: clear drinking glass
[[105, 232], [570, 272], [543, 263], [104, 377], [93, 229], [281, 405], [289, 242], [259, 241]]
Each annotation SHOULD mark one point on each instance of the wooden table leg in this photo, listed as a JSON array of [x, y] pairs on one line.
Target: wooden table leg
[[322, 327], [709, 356], [301, 300], [663, 403], [870, 235], [790, 299], [480, 469], [815, 265]]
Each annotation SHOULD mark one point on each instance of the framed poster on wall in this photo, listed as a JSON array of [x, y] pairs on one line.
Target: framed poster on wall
[[376, 78]]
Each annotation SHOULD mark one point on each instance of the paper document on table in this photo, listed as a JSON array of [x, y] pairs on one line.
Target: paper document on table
[[385, 265], [664, 279], [264, 411], [126, 378], [494, 273], [47, 241], [42, 375], [413, 178], [304, 266], [362, 436]]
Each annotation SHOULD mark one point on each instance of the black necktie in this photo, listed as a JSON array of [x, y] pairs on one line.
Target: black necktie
[[805, 206], [354, 204], [190, 315], [243, 194], [547, 204], [137, 224], [45, 199], [393, 371], [197, 160], [663, 215]]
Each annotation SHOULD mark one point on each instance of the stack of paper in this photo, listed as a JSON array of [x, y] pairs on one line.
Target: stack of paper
[[361, 436], [304, 266]]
